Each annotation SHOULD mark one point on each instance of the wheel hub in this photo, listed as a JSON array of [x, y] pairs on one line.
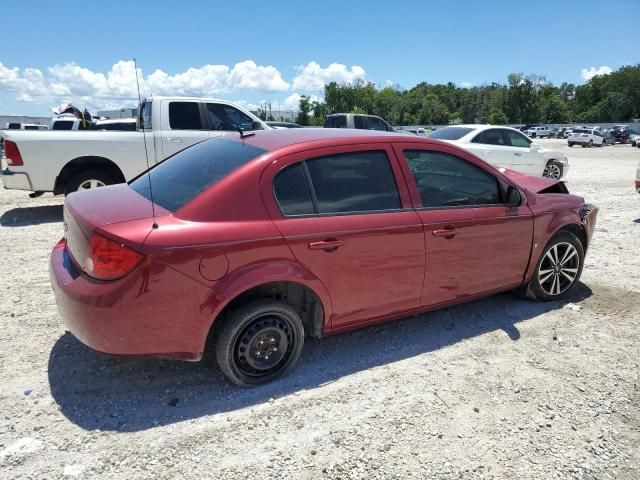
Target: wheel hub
[[559, 268], [263, 345]]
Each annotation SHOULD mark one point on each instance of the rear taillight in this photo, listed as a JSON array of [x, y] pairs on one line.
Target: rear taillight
[[12, 153], [109, 260]]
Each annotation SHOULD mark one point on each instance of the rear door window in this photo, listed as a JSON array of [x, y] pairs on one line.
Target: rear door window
[[493, 136], [445, 180], [516, 139], [377, 124], [292, 191], [185, 116], [353, 182]]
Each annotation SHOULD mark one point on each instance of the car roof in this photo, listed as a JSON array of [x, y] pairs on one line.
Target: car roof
[[481, 127], [272, 140]]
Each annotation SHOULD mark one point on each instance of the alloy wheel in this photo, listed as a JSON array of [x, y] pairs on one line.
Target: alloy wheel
[[90, 184], [559, 268], [552, 170]]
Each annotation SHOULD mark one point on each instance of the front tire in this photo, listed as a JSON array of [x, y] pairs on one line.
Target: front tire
[[259, 342], [553, 169], [559, 268]]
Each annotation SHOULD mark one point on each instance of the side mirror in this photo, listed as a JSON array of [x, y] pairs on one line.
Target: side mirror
[[514, 198], [534, 147], [256, 126]]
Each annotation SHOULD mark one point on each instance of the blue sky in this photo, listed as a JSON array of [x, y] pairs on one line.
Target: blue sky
[[251, 51]]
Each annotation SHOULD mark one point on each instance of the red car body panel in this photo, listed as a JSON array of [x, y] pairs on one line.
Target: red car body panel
[[232, 237]]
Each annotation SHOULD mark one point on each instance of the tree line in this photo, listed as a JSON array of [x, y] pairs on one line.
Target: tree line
[[522, 99]]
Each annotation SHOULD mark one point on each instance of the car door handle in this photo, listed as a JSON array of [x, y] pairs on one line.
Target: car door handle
[[445, 232], [327, 245], [518, 154], [174, 140]]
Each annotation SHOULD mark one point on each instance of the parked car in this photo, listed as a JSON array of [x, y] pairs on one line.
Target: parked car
[[68, 121], [505, 147], [587, 137], [623, 134], [358, 121], [608, 138], [526, 127], [283, 125], [66, 161], [330, 231], [562, 132], [541, 132], [634, 138]]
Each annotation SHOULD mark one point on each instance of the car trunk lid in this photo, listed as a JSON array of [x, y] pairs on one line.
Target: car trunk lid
[[116, 212]]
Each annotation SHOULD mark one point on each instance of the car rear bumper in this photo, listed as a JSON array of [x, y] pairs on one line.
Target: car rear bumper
[[16, 180], [125, 316]]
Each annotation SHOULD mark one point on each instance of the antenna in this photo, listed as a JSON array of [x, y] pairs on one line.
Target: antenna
[[146, 153]]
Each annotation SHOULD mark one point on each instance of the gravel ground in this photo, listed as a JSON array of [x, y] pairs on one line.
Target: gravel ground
[[501, 388]]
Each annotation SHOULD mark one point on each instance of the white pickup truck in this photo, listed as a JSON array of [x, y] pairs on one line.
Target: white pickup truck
[[66, 161]]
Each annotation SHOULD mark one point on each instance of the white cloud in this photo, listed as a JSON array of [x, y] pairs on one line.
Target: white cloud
[[466, 84], [588, 73], [292, 102], [71, 82], [313, 77]]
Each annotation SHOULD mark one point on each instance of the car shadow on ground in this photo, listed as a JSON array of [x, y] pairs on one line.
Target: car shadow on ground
[[96, 391], [25, 216]]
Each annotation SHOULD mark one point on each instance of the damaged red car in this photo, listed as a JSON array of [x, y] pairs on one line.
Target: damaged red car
[[251, 243]]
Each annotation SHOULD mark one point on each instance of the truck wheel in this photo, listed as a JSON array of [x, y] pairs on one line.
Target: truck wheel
[[87, 181], [259, 342]]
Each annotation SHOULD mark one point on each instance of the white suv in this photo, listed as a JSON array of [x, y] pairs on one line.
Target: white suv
[[534, 132], [587, 137]]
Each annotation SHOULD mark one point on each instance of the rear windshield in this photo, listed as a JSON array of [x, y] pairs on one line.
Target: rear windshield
[[180, 178], [450, 133], [581, 130]]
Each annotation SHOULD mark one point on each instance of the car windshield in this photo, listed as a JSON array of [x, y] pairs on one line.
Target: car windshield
[[182, 177], [450, 133]]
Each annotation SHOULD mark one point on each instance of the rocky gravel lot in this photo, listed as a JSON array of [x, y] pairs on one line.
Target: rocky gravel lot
[[501, 388]]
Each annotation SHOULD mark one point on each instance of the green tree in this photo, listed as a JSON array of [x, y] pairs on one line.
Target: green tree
[[497, 116], [305, 109]]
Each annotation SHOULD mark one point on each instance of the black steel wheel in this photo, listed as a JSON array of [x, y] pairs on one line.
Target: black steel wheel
[[559, 267], [259, 342]]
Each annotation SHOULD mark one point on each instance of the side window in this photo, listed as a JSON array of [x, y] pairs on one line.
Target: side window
[[292, 191], [490, 137], [516, 139], [226, 117], [445, 180], [377, 124], [354, 182], [63, 125], [184, 116], [339, 121], [360, 122]]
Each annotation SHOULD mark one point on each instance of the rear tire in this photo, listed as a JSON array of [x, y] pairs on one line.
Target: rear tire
[[87, 180], [559, 268], [570, 144], [590, 143], [259, 342]]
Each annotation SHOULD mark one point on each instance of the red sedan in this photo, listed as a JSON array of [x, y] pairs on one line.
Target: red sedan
[[258, 242]]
